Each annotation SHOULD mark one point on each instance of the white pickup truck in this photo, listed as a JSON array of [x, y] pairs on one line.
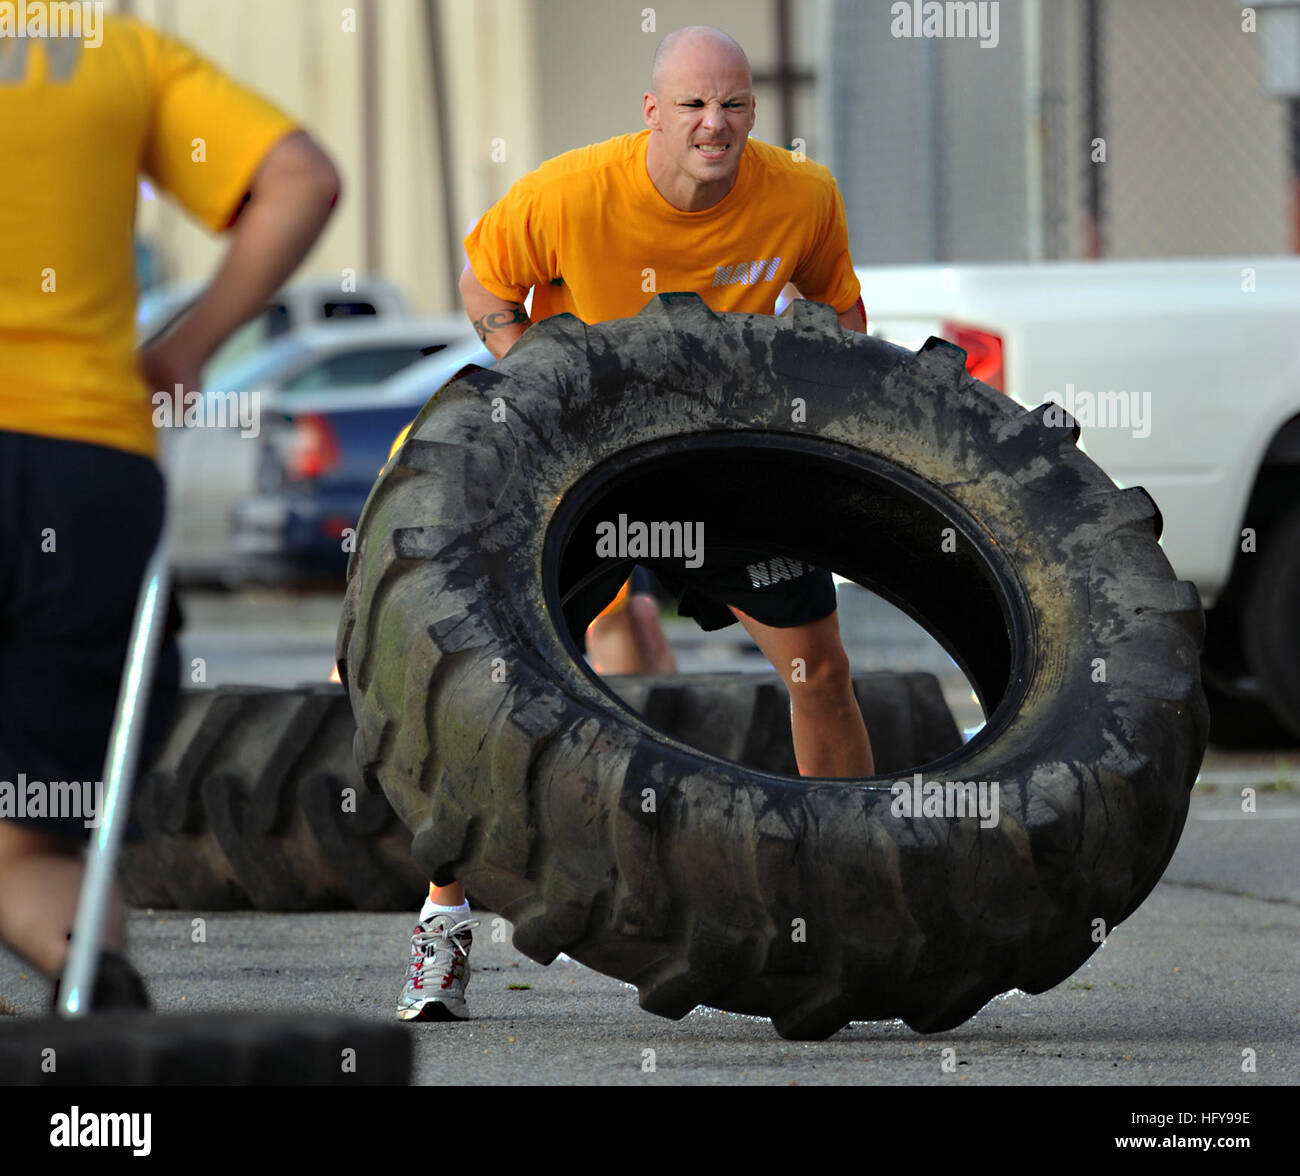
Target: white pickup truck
[[1185, 379]]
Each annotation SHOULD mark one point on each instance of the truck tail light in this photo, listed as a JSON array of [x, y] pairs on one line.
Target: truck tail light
[[983, 352]]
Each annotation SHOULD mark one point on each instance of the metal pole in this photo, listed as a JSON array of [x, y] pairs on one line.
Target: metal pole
[[785, 72], [937, 154], [1293, 113], [371, 130], [119, 775], [1095, 243], [433, 33], [1032, 93]]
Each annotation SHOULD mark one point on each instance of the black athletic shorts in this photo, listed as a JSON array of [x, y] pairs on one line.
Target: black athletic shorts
[[776, 591], [78, 523]]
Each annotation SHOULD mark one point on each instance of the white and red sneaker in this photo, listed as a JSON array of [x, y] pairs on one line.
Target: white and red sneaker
[[439, 969]]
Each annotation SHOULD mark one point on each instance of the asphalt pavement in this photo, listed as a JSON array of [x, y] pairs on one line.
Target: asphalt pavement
[[1202, 973], [1199, 987]]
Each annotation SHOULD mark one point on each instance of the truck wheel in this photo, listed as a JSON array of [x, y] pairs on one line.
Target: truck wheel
[[811, 901], [1240, 719], [1272, 621]]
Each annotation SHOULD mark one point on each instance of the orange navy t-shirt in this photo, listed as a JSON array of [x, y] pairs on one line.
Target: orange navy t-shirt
[[591, 235]]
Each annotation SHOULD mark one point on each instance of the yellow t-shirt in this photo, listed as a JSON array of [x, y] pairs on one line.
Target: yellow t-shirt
[[590, 233], [78, 124]]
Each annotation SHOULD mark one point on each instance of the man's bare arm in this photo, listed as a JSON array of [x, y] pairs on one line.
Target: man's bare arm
[[498, 323], [855, 318], [289, 200]]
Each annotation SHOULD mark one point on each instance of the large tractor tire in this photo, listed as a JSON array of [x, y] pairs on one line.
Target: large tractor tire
[[255, 801], [815, 902]]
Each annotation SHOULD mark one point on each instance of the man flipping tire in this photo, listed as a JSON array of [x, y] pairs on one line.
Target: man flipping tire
[[683, 205]]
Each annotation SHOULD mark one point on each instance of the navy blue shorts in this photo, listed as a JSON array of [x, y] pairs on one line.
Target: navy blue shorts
[[78, 523], [775, 591]]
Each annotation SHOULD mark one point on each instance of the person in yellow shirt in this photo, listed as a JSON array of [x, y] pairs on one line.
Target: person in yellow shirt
[[81, 497], [694, 204]]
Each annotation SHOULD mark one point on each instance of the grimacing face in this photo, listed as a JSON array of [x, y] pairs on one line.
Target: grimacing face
[[705, 120]]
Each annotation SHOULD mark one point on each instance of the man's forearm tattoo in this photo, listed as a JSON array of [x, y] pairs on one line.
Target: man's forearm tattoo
[[496, 319]]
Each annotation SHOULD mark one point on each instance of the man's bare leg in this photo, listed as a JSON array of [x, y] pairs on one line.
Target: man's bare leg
[[40, 884], [830, 738], [631, 640], [451, 895]]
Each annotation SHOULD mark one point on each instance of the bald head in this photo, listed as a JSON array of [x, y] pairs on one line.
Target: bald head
[[691, 48], [700, 110]]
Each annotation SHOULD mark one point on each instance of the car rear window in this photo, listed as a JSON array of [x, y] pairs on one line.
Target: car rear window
[[366, 366], [348, 309]]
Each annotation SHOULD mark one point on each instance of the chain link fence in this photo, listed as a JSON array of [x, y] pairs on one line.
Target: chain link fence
[[1111, 128]]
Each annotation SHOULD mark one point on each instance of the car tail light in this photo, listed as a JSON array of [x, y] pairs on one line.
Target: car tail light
[[313, 449], [983, 352]]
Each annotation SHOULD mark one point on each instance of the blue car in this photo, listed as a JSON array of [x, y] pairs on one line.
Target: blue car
[[317, 466]]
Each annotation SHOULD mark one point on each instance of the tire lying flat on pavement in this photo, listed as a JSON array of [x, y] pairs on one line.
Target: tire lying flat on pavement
[[254, 800], [813, 902], [746, 717], [209, 1049], [246, 805]]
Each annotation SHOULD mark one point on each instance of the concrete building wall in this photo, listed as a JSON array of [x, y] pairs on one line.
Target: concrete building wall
[[522, 80], [308, 57], [296, 54], [493, 81], [594, 61]]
